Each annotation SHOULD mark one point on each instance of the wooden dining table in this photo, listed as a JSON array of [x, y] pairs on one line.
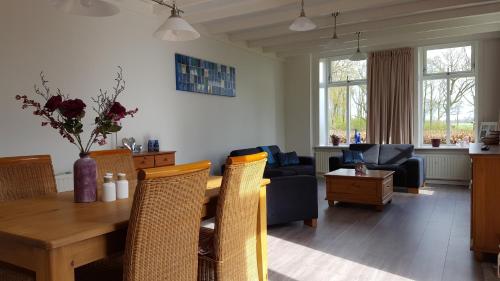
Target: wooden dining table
[[52, 235]]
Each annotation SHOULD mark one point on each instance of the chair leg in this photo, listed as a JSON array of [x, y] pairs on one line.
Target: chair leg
[[311, 222], [413, 190]]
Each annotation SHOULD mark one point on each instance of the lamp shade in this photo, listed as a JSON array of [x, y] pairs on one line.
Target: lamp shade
[[358, 56], [176, 28], [89, 8], [302, 23]]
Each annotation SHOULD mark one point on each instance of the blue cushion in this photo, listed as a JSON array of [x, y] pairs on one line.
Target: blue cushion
[[270, 158], [288, 159], [352, 156]]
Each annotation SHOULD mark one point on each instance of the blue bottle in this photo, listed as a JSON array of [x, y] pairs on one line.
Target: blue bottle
[[151, 146], [357, 136]]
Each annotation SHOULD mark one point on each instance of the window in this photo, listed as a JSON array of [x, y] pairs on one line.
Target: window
[[343, 99], [448, 94]]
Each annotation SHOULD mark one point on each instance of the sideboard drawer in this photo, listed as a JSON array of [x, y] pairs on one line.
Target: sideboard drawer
[[165, 160], [144, 162]]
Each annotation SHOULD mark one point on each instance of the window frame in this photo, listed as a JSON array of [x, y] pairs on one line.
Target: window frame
[[423, 76], [325, 136]]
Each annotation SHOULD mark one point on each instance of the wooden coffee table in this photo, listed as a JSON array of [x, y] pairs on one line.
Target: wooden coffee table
[[374, 188]]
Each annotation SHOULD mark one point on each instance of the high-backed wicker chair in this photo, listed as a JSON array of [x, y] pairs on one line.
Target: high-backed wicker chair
[[24, 177], [229, 251], [115, 161], [162, 238]]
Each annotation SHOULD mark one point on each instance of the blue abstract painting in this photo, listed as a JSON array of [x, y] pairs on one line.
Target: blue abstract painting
[[206, 77]]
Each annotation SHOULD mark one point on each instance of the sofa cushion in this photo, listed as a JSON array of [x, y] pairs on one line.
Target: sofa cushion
[[278, 172], [352, 156], [288, 159], [272, 150], [395, 153], [271, 161], [370, 151], [243, 152], [306, 170]]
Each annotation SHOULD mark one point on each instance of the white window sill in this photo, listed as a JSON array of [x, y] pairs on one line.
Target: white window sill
[[424, 147], [443, 147]]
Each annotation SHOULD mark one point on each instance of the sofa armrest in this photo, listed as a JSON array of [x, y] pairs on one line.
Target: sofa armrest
[[292, 198], [415, 171], [335, 163], [308, 160]]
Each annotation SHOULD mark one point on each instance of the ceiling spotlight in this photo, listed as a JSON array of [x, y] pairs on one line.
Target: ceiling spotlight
[[358, 55], [175, 28], [302, 23], [89, 8]]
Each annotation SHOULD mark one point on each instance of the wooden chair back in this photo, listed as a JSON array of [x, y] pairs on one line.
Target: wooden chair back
[[163, 231], [114, 161], [236, 218], [26, 177]]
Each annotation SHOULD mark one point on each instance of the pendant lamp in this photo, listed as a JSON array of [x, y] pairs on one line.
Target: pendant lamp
[[302, 23]]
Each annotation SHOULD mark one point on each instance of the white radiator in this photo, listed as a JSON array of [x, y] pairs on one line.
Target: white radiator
[[447, 166], [322, 155], [443, 164]]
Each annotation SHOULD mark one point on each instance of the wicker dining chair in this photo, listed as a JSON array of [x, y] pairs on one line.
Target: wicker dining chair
[[228, 252], [114, 161], [162, 238], [24, 177]]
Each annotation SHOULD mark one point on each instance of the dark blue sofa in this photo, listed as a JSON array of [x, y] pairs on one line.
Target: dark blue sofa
[[293, 192], [409, 169]]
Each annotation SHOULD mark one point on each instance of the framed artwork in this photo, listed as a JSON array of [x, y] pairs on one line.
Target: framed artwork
[[205, 77], [486, 127]]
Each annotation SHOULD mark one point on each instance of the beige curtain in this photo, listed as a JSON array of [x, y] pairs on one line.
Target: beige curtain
[[391, 96]]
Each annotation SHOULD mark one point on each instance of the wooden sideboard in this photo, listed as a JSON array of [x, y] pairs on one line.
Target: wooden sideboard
[[145, 160], [485, 200]]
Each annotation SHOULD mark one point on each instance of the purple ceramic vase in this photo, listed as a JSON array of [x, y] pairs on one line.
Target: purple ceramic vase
[[85, 179]]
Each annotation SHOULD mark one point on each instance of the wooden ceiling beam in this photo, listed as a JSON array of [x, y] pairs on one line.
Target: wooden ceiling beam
[[235, 9], [399, 29], [263, 19], [358, 16], [419, 43], [411, 39], [419, 20]]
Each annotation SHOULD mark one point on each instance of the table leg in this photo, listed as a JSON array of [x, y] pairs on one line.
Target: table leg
[[56, 266], [262, 235]]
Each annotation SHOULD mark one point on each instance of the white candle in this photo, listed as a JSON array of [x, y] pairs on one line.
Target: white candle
[[122, 186], [108, 189]]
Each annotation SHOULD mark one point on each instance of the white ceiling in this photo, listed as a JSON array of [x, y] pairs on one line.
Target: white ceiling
[[263, 24]]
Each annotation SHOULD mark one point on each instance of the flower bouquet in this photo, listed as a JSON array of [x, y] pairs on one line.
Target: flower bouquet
[[65, 115]]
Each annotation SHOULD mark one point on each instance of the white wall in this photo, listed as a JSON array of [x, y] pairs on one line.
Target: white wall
[[80, 55], [304, 88], [298, 105], [489, 80]]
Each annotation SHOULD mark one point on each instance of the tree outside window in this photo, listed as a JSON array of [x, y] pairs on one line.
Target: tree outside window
[[448, 95], [346, 99]]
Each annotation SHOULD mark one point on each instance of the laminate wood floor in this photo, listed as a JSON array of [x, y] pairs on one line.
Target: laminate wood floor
[[417, 237]]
